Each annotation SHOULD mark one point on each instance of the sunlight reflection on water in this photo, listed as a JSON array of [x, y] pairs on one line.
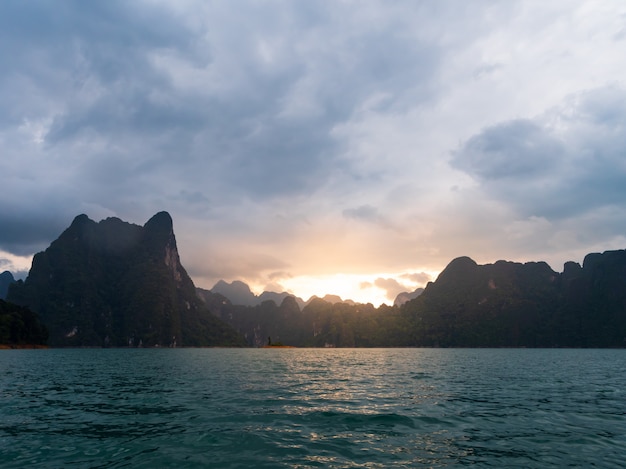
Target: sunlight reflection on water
[[312, 407]]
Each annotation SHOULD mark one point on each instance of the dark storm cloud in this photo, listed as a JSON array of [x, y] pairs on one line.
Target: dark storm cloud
[[59, 47], [24, 233], [562, 164], [139, 104], [272, 130], [515, 150], [112, 90]]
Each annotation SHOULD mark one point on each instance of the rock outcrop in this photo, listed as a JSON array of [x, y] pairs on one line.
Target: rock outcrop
[[114, 283]]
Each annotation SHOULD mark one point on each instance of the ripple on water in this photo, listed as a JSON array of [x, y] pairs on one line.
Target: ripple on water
[[312, 408]]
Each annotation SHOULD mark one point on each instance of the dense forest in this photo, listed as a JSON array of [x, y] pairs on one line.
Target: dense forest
[[319, 324], [19, 326]]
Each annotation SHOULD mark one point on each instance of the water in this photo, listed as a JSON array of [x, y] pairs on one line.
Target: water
[[304, 408]]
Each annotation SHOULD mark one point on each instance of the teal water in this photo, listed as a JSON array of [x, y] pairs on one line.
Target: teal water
[[301, 408]]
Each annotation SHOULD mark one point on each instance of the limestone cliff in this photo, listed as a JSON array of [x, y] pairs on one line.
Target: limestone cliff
[[114, 283]]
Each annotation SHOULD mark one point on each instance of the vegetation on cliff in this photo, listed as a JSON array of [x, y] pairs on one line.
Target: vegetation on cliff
[[505, 304], [19, 326], [118, 284]]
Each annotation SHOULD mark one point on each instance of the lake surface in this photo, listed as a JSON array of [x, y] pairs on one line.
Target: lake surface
[[301, 408]]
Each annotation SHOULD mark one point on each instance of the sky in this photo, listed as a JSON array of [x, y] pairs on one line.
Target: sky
[[345, 147]]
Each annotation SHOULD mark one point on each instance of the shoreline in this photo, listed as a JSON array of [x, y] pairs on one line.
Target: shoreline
[[22, 346]]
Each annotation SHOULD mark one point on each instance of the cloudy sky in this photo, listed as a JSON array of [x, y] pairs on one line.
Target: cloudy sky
[[349, 147]]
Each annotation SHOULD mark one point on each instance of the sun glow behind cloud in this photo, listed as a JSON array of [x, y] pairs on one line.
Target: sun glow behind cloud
[[309, 138], [376, 289]]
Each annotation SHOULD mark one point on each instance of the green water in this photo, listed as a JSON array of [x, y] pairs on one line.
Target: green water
[[304, 408]]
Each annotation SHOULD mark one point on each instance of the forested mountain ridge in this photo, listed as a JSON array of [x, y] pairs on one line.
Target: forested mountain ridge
[[505, 304], [319, 324], [239, 293], [513, 304], [493, 305], [114, 283]]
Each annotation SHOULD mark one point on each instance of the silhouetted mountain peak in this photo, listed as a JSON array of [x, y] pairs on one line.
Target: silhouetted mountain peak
[[289, 305], [403, 297], [457, 268], [6, 279], [571, 268], [79, 229], [329, 298], [605, 259], [161, 222], [237, 292], [116, 283], [81, 220]]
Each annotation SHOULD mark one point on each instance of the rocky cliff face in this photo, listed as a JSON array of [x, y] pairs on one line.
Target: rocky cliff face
[[513, 304], [114, 283], [505, 304], [594, 300]]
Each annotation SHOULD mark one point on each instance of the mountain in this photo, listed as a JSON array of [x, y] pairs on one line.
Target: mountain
[[510, 304], [332, 299], [278, 298], [403, 297], [239, 293], [320, 323], [505, 304], [6, 279], [594, 300], [493, 305], [114, 283], [119, 284]]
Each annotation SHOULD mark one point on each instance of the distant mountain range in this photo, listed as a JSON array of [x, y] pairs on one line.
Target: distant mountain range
[[505, 304], [114, 283], [239, 293]]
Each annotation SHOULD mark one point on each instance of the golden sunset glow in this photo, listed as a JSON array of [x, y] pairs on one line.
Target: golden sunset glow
[[291, 159], [360, 288]]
